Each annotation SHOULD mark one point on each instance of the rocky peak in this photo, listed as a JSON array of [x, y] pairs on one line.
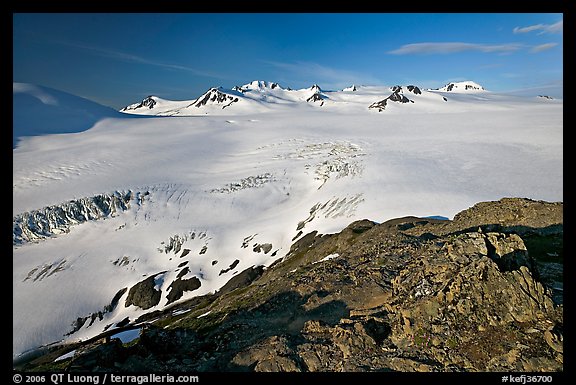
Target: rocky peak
[[147, 102], [260, 85], [397, 95], [315, 88], [215, 96], [414, 89]]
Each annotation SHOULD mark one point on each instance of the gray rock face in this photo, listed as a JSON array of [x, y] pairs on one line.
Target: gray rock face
[[242, 279], [143, 294], [410, 294], [179, 286]]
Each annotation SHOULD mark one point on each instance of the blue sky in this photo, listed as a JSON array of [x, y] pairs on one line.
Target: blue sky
[[119, 58]]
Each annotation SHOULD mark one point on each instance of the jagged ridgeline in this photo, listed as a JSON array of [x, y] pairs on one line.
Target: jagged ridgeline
[[481, 292], [251, 97]]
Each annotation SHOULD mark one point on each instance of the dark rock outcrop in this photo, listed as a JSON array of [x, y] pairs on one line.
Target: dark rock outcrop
[[232, 266], [144, 294], [179, 286], [381, 105], [315, 98], [215, 96], [242, 279], [396, 96], [414, 90], [147, 102]]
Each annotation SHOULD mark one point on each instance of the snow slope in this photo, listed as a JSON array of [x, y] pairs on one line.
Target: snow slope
[[41, 110], [231, 188]]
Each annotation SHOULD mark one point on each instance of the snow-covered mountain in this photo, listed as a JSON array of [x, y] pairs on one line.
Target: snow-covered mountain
[[465, 86], [125, 216]]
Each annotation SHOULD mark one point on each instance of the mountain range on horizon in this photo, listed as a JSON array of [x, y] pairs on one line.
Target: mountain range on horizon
[[252, 96]]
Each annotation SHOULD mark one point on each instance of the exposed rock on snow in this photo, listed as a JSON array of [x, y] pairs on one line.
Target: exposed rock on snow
[[215, 96], [414, 89], [242, 279], [333, 208], [396, 96], [230, 268], [262, 247], [316, 97], [148, 102], [144, 294], [46, 270], [180, 285], [248, 182], [315, 88], [175, 242]]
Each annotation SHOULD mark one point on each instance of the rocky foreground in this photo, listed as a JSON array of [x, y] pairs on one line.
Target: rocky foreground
[[482, 292]]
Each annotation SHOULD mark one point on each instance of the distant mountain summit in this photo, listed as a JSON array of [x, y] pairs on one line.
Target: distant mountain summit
[[260, 85], [147, 102], [215, 96], [466, 86]]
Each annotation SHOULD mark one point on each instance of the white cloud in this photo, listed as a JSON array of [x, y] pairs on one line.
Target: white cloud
[[544, 28], [453, 47], [542, 47]]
